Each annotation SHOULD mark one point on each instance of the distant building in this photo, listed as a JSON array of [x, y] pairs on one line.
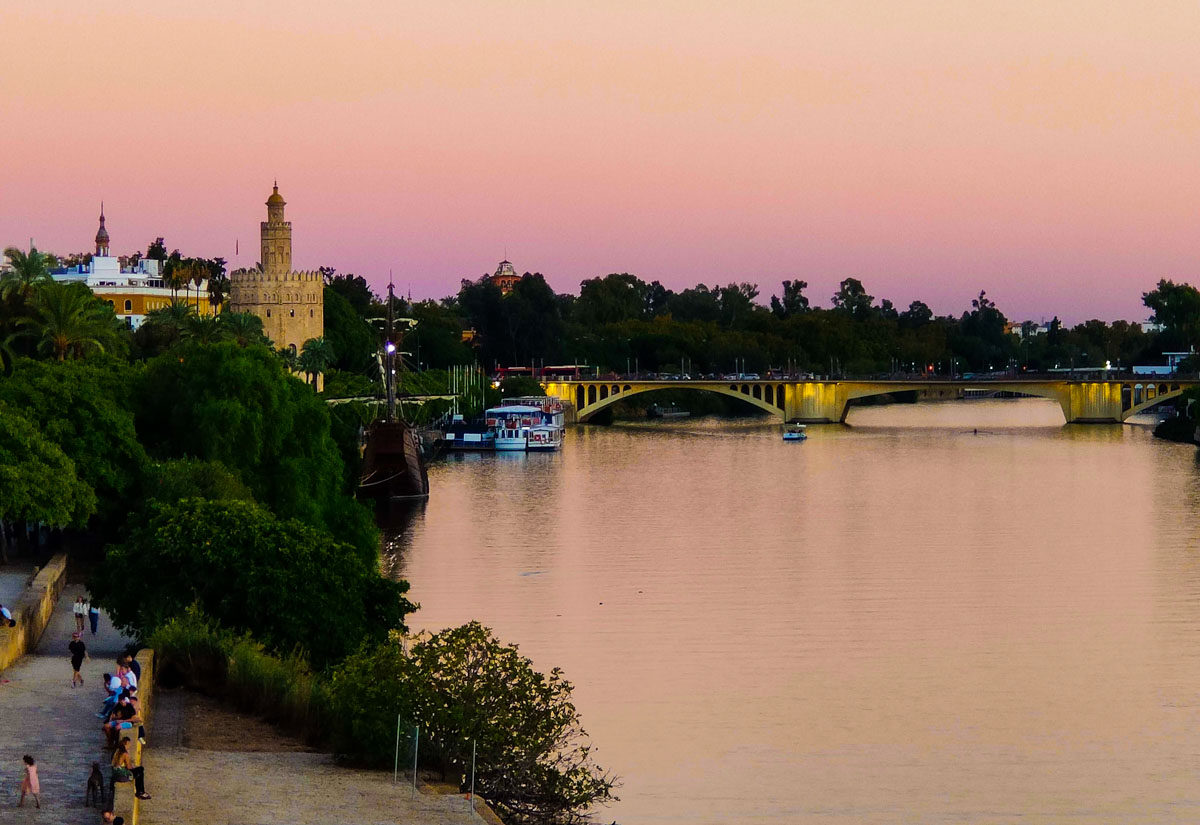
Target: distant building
[[1174, 359], [504, 277], [290, 303], [134, 291], [1150, 325]]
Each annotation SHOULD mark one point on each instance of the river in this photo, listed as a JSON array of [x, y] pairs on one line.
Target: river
[[900, 620]]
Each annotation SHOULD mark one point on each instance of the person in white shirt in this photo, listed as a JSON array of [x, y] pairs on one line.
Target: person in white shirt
[[80, 609]]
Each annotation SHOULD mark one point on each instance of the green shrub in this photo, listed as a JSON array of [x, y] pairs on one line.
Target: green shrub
[[369, 691]]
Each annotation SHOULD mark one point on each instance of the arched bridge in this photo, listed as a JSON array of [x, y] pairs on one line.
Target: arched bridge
[[813, 401]]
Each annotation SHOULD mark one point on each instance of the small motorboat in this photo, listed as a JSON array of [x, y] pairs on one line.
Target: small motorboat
[[795, 432]]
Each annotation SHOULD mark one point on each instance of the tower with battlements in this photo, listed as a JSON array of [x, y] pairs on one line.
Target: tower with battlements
[[290, 303]]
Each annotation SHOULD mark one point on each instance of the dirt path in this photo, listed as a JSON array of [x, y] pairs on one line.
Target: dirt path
[[227, 768]]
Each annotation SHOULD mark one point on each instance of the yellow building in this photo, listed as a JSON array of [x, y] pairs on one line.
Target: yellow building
[[290, 303], [133, 292]]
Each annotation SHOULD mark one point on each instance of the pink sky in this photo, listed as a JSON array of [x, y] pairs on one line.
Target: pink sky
[[1045, 151]]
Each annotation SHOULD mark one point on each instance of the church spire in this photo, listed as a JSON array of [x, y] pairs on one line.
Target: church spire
[[102, 236]]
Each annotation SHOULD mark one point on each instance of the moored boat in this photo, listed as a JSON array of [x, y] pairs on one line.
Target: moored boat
[[393, 461], [527, 424]]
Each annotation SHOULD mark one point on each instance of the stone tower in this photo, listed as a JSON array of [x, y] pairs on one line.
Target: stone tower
[[290, 303]]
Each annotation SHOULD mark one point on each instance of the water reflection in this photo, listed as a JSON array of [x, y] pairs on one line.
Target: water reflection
[[941, 613]]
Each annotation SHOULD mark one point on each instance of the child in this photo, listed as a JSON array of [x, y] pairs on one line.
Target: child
[[30, 783]]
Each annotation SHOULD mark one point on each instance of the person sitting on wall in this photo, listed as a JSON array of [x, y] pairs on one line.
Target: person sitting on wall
[[112, 686], [124, 716], [6, 617]]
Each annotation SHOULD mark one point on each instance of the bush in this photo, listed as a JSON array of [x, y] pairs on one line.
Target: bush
[[463, 686], [369, 690], [218, 662], [285, 583]]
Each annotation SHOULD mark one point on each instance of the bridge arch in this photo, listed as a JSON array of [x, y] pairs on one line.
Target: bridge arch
[[602, 395]]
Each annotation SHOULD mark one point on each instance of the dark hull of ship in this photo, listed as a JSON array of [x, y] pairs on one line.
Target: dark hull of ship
[[393, 467]]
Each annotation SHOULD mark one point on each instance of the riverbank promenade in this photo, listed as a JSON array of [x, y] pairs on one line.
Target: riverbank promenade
[[42, 715]]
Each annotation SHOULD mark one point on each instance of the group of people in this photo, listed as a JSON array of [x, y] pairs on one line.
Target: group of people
[[85, 610], [120, 712]]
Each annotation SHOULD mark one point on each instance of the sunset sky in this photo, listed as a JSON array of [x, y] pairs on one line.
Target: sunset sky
[[1045, 151]]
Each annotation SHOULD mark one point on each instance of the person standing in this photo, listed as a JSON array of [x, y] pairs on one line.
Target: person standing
[[30, 784], [80, 609], [94, 617], [78, 654]]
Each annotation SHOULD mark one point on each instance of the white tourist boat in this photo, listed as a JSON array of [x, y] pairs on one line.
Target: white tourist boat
[[529, 424], [795, 432]]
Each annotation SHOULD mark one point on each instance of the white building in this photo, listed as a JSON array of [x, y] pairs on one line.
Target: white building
[[132, 292]]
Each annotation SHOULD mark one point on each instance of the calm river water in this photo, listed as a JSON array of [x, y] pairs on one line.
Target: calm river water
[[896, 621]]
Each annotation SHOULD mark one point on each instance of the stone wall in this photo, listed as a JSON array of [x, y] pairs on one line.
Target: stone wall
[[124, 802], [32, 611]]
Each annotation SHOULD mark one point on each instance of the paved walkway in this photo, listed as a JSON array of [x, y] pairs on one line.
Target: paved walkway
[[12, 582], [42, 715]]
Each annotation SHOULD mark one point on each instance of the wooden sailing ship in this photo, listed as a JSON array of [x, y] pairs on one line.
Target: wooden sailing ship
[[393, 466]]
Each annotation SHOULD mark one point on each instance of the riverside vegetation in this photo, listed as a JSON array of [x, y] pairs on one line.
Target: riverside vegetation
[[206, 483]]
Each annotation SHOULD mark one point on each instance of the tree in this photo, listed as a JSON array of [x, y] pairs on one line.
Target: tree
[[78, 407], [282, 581], [239, 406], [1177, 307], [917, 315], [69, 320], [355, 290], [205, 329], [531, 758], [852, 298], [316, 356], [794, 300], [163, 328], [38, 481], [157, 250], [611, 299], [464, 688], [351, 338], [30, 270], [245, 328]]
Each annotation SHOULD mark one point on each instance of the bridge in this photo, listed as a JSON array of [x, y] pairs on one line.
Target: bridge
[[1103, 401]]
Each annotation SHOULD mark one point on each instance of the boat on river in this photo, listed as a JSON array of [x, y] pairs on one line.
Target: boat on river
[[527, 424], [393, 461], [795, 432]]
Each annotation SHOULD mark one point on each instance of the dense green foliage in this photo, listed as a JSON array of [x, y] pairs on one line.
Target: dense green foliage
[[352, 340], [168, 482], [79, 406], [38, 481], [281, 581], [464, 687], [239, 406]]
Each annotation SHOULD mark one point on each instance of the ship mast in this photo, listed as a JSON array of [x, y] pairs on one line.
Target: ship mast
[[389, 355]]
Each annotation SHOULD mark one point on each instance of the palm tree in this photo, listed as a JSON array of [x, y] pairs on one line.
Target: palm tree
[[174, 276], [71, 321], [288, 356], [29, 270], [8, 354], [204, 329], [199, 272], [218, 288], [316, 356], [244, 327]]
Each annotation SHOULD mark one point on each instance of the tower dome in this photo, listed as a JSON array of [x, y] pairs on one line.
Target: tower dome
[[102, 236], [275, 198]]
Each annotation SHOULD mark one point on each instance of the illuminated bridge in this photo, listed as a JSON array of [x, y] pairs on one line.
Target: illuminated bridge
[[1102, 401]]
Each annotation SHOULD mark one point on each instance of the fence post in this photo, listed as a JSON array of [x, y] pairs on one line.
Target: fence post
[[396, 767], [471, 795], [416, 745]]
